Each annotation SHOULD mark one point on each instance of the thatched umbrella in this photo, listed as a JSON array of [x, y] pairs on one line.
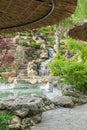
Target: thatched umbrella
[[79, 32], [21, 15]]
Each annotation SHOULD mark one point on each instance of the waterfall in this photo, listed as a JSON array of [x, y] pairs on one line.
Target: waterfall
[[47, 87], [50, 91], [43, 67]]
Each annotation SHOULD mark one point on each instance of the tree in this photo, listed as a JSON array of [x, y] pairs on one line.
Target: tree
[[57, 35]]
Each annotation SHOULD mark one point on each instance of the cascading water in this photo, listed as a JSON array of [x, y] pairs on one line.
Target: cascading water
[[43, 67], [49, 90], [16, 89]]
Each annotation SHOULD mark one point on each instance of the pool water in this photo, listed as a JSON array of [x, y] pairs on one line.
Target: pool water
[[9, 90]]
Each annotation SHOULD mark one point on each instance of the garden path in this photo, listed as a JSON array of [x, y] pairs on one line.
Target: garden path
[[64, 119]]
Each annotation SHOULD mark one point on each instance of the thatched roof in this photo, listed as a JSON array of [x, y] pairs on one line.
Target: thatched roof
[[79, 32], [21, 15]]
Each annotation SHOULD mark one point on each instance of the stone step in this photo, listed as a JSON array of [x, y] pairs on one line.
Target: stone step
[[22, 75], [22, 72], [24, 66]]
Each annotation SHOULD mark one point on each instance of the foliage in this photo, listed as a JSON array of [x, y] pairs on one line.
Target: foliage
[[80, 14], [49, 34], [57, 64], [75, 73], [84, 54], [72, 70], [5, 44], [35, 45], [26, 33], [4, 117], [81, 11], [47, 30], [6, 58], [51, 40], [9, 35], [74, 45], [3, 79], [22, 42], [56, 67]]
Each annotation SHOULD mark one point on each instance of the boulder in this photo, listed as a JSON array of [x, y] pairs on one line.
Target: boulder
[[26, 123], [70, 91], [23, 112], [63, 101], [37, 118], [23, 106], [15, 123]]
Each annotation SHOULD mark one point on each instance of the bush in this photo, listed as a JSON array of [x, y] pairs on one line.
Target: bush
[[4, 117], [26, 33], [3, 79], [84, 54], [22, 42], [73, 72], [74, 45], [35, 45]]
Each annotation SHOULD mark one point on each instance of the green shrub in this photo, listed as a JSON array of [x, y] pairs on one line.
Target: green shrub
[[83, 54], [56, 65], [4, 117], [74, 45], [22, 42], [73, 72], [35, 45], [26, 33], [51, 40], [3, 79]]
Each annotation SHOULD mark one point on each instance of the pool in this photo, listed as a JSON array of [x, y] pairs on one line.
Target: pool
[[16, 90]]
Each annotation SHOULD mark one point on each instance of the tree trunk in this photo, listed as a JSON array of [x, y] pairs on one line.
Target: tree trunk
[[57, 35]]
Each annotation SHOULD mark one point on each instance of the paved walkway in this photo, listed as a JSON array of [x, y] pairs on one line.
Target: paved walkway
[[64, 119]]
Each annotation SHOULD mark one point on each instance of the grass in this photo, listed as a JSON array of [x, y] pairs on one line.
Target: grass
[[4, 117]]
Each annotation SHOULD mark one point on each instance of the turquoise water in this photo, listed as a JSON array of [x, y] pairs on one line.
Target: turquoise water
[[9, 90], [19, 92]]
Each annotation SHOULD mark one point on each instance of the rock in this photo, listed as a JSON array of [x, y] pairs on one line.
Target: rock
[[81, 100], [2, 107], [32, 69], [55, 81], [21, 105], [37, 118], [44, 54], [56, 47], [22, 112], [33, 81], [15, 123], [9, 74], [70, 91], [63, 101], [26, 123]]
